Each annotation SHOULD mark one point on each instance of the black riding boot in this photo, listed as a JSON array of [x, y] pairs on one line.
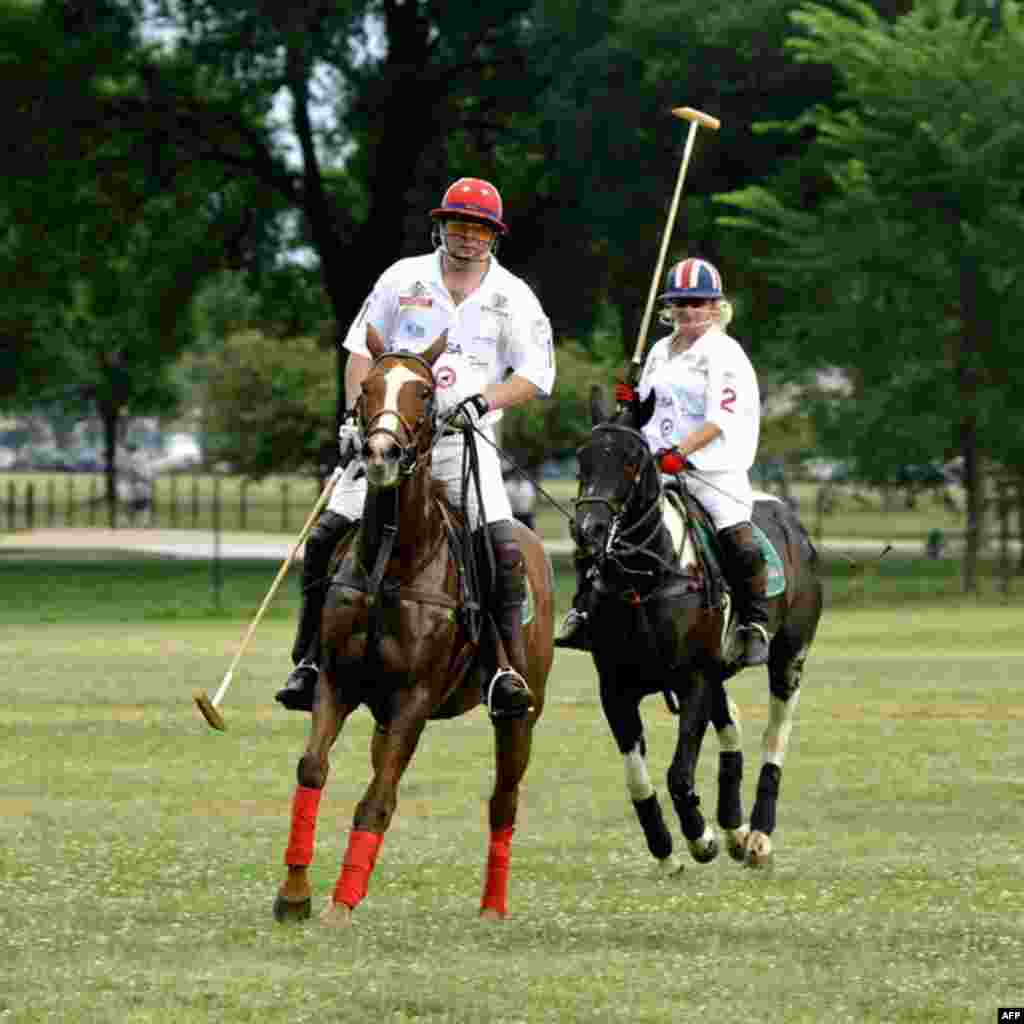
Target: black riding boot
[[300, 687], [747, 572], [507, 695], [573, 632]]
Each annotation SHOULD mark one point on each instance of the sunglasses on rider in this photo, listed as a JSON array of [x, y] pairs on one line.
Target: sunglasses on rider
[[690, 303], [470, 230]]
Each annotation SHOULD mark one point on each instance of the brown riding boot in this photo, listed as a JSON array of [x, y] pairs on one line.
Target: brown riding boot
[[747, 573]]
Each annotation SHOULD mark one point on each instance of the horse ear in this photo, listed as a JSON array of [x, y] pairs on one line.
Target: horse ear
[[436, 349], [374, 342], [598, 412]]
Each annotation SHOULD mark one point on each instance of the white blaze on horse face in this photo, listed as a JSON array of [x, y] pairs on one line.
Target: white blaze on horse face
[[638, 781], [394, 380]]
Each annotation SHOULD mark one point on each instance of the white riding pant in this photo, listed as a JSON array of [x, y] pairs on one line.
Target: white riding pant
[[350, 491], [726, 494]]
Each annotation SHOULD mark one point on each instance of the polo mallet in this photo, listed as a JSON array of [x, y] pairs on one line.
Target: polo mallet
[[696, 118], [211, 708]]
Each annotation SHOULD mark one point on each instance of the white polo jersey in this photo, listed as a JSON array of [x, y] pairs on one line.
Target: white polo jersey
[[711, 382], [501, 327]]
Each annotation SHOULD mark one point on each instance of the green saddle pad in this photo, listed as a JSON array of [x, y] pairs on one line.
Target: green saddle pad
[[776, 571]]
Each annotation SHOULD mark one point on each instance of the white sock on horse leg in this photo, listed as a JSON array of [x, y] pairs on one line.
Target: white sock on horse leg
[[781, 714], [638, 781], [730, 737]]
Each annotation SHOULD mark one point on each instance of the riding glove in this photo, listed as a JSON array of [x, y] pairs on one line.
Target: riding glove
[[350, 437], [468, 413]]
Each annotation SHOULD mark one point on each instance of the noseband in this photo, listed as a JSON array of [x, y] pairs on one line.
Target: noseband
[[411, 447]]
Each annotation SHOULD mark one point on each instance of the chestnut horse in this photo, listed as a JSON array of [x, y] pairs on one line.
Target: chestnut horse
[[664, 592], [398, 635]]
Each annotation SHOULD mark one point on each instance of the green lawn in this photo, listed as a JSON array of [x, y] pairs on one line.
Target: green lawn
[[139, 850]]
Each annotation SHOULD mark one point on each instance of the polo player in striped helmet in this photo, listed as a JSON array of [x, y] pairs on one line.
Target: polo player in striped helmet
[[706, 424]]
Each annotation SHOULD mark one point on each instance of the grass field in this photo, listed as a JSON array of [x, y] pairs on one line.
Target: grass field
[[139, 850]]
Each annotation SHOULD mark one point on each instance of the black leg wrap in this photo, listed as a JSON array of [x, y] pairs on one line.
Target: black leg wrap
[[730, 775], [687, 806], [659, 839], [762, 818]]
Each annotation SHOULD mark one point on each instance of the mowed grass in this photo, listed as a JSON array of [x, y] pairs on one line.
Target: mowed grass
[[140, 850]]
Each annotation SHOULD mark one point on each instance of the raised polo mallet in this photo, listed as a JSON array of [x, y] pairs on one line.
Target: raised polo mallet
[[211, 708], [696, 119]]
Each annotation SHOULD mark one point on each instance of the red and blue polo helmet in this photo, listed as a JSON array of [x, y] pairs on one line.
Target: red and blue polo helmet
[[692, 279], [472, 199]]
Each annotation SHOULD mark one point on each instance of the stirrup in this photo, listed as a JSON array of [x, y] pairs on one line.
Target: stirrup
[[756, 645], [299, 689], [572, 633], [507, 696]]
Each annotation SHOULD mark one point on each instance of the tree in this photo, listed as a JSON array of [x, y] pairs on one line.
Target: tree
[[901, 275]]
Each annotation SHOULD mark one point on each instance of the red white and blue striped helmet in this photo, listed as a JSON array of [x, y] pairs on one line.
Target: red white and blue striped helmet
[[692, 279], [472, 199]]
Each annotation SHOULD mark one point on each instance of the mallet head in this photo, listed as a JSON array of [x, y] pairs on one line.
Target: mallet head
[[698, 116], [209, 710]]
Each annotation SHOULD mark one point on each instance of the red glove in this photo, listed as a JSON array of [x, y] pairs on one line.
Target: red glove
[[624, 392], [671, 461]]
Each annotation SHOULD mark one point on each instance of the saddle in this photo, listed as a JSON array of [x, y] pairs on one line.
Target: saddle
[[707, 550]]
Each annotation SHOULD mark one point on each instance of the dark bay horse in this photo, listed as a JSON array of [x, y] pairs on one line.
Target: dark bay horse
[[655, 582], [396, 637]]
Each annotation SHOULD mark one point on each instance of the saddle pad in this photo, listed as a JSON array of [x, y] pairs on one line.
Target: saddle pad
[[776, 570], [674, 524]]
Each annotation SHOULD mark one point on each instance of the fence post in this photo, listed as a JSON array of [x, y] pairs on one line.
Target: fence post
[[172, 499], [1005, 566], [69, 500], [93, 500], [30, 505], [242, 504], [195, 500], [216, 566], [51, 502], [284, 506]]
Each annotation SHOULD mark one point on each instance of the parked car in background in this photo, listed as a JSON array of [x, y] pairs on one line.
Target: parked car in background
[[181, 451]]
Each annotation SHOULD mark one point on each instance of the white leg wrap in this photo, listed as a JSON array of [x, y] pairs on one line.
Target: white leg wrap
[[638, 781], [780, 723], [730, 737]]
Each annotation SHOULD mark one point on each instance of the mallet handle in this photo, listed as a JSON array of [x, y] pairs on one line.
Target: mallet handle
[[325, 495], [695, 117]]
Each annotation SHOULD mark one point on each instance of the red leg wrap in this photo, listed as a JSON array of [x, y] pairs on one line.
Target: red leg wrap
[[305, 804], [360, 857], [496, 884]]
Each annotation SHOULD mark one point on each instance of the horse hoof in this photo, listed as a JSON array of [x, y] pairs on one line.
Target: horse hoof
[[736, 842], [759, 851], [705, 849], [286, 911], [336, 915], [669, 867]]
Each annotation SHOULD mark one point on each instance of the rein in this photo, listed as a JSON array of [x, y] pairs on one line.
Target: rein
[[620, 545]]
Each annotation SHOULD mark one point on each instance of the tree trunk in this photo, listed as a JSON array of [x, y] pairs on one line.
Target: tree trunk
[[971, 328], [109, 416]]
